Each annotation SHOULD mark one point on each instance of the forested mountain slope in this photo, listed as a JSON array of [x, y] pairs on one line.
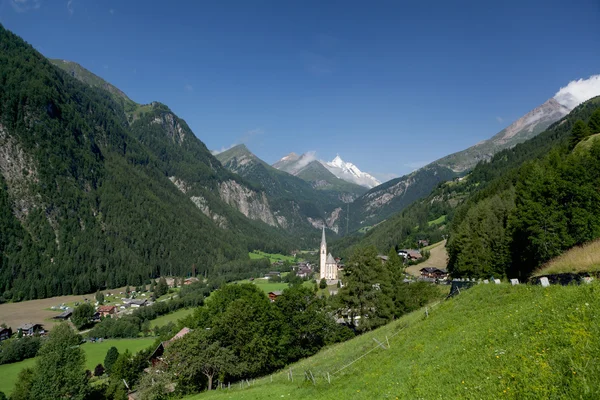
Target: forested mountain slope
[[495, 212], [90, 201]]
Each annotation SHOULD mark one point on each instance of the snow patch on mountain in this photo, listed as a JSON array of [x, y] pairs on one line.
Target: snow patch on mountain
[[350, 172]]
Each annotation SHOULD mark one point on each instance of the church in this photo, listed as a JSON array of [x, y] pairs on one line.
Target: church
[[329, 268]]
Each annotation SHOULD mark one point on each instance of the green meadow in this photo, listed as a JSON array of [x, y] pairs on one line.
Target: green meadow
[[172, 317], [94, 355]]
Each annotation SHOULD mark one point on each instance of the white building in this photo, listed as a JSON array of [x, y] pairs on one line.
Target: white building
[[329, 269]]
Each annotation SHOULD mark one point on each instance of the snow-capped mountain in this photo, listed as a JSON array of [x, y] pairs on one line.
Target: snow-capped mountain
[[350, 172], [295, 164]]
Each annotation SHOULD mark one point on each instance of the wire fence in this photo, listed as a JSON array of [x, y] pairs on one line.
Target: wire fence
[[323, 376]]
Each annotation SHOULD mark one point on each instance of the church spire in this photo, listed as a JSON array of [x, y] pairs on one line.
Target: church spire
[[323, 237]]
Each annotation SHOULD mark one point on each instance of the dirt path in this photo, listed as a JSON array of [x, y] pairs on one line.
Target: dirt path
[[438, 259]]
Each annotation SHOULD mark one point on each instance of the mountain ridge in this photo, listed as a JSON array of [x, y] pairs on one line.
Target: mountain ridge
[[294, 164]]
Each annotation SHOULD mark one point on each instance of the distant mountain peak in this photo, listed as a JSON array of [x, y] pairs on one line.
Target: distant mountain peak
[[350, 172], [295, 164]]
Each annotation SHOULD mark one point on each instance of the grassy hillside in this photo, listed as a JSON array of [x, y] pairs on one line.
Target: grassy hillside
[[491, 341], [584, 258]]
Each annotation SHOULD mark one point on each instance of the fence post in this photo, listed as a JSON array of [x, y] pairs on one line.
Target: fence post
[[328, 378], [291, 375], [388, 341], [313, 377]]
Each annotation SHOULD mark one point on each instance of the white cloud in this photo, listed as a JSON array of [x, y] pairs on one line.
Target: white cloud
[[70, 7], [25, 5], [500, 119], [576, 92], [306, 159]]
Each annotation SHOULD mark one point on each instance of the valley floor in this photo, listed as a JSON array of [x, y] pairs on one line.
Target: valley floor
[[491, 341]]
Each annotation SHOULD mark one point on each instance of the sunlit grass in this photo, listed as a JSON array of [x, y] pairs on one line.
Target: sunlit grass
[[491, 341], [584, 258]]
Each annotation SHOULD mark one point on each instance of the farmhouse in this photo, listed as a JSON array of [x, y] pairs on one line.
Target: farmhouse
[[135, 303], [5, 333], [432, 272], [104, 311], [30, 328], [274, 294], [65, 315], [157, 356], [410, 254], [304, 272]]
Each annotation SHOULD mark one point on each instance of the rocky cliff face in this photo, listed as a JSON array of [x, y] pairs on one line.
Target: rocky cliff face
[[20, 174], [252, 204], [171, 126]]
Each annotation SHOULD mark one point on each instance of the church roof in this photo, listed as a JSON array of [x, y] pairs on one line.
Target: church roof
[[323, 237], [330, 259]]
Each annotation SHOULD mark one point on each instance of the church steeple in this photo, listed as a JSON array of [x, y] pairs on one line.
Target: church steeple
[[323, 242]]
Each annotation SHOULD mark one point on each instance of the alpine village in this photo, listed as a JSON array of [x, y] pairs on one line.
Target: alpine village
[[135, 263]]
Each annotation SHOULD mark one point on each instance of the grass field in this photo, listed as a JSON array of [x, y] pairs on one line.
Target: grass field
[[94, 355], [267, 286], [257, 254], [584, 258], [438, 258], [172, 317], [38, 311], [437, 221], [490, 342]]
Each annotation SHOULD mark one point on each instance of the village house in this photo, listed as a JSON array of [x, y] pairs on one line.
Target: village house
[[157, 356], [274, 295], [423, 242], [30, 328], [410, 254], [104, 311], [65, 315], [434, 273], [5, 333], [304, 272], [273, 274], [135, 303]]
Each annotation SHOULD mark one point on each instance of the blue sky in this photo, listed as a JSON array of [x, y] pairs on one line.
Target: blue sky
[[389, 85]]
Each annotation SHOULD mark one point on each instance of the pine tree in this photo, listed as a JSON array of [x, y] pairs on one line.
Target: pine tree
[[111, 357], [579, 132], [594, 123]]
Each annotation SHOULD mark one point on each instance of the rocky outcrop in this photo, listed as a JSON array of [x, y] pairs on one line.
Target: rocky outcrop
[[171, 126], [202, 204], [252, 204], [20, 174]]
